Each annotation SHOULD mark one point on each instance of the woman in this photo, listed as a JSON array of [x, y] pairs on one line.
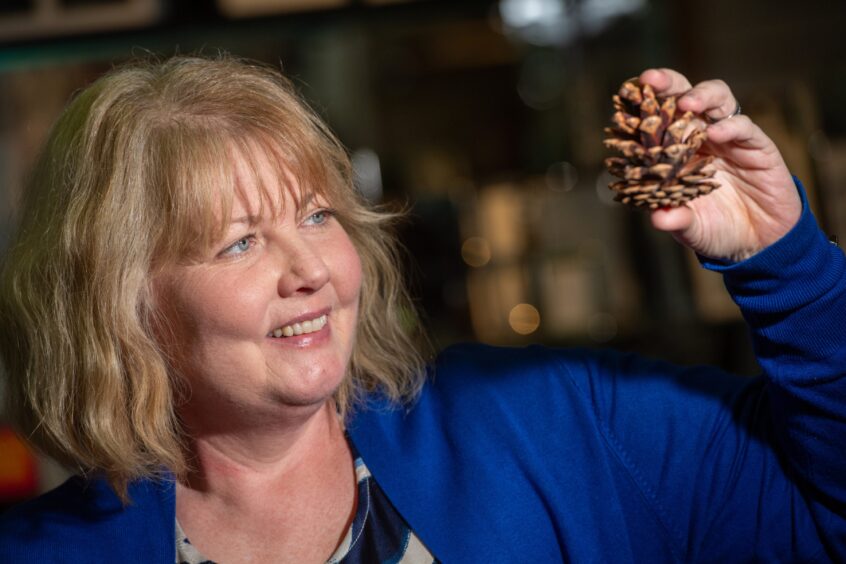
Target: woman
[[201, 316]]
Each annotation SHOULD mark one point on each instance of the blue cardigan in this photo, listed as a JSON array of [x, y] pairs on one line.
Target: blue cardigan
[[542, 455]]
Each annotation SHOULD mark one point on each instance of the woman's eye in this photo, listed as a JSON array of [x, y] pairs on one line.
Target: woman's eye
[[238, 247], [319, 217]]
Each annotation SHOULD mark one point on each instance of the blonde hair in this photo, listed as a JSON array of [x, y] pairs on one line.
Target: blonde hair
[[131, 178]]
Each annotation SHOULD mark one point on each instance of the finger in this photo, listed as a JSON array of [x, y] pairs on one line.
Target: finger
[[674, 220], [666, 82], [739, 130], [712, 98]]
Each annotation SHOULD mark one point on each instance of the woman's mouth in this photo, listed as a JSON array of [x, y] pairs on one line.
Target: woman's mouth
[[299, 328]]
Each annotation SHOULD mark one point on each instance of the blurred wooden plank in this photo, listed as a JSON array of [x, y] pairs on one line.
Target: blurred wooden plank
[[254, 8], [48, 18]]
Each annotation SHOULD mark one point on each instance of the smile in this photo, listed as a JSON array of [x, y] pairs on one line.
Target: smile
[[302, 328]]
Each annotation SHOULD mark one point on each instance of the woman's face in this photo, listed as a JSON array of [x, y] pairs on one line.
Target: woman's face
[[266, 319]]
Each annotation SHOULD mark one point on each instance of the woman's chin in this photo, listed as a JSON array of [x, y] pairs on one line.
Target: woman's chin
[[308, 392]]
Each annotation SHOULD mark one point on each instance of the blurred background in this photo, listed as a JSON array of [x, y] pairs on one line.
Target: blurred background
[[484, 119]]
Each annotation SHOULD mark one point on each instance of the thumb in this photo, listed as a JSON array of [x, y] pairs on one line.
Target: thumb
[[679, 222], [675, 220]]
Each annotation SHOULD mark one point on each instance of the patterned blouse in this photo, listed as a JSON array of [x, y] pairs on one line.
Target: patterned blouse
[[378, 533]]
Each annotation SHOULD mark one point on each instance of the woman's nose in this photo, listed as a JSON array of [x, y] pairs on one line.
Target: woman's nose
[[303, 270]]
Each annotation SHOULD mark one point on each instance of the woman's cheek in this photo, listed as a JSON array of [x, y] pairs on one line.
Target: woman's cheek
[[348, 271]]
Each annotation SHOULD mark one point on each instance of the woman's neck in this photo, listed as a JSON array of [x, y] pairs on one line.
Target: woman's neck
[[270, 492], [227, 458]]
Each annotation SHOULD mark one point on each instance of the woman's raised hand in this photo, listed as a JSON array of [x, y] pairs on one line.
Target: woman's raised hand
[[757, 202]]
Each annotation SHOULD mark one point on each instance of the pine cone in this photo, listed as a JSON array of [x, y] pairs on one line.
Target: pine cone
[[659, 166]]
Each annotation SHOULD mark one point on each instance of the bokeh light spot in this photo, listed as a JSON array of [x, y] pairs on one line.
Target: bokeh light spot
[[524, 319], [476, 252]]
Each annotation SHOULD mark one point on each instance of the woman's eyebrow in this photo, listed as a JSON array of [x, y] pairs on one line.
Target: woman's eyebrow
[[246, 219], [252, 219]]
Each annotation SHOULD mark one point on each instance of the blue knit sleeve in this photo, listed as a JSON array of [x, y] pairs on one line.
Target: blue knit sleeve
[[745, 469], [546, 455], [793, 296]]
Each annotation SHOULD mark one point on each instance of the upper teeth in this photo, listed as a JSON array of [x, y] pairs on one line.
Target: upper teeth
[[302, 328]]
